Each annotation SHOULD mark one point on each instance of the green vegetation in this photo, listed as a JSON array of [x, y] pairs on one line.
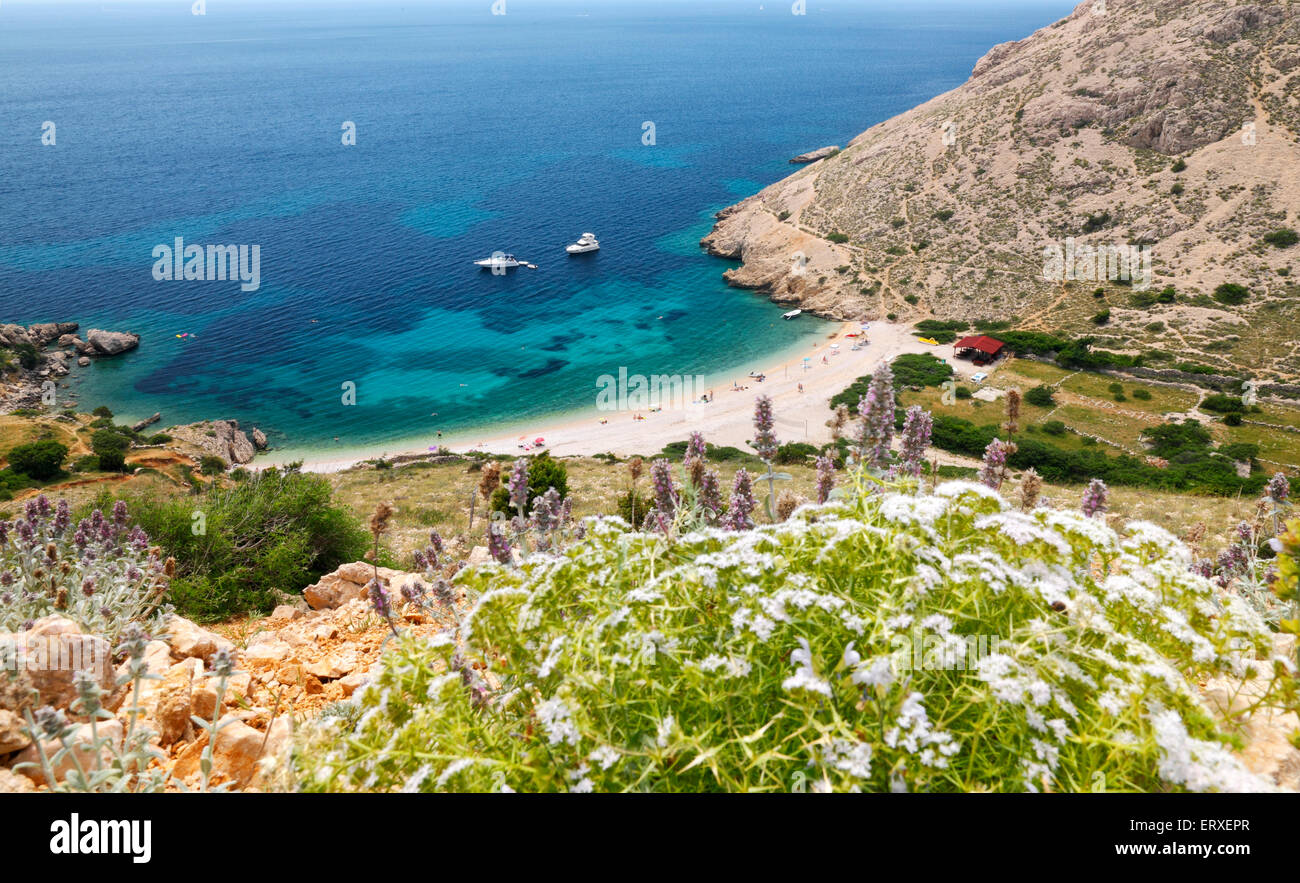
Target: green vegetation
[[1231, 293], [838, 238], [1040, 396], [1283, 238], [910, 369], [643, 662], [40, 460], [544, 473], [236, 547]]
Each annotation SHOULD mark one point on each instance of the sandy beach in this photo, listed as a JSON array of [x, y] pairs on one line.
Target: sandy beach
[[727, 419]]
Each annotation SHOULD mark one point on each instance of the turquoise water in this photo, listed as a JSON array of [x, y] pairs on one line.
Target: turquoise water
[[474, 133]]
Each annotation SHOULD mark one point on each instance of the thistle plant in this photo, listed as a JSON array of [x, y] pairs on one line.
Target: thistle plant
[[876, 409], [766, 444], [1094, 498], [742, 505], [661, 477], [1031, 485], [825, 477], [489, 481], [994, 470], [498, 543], [1277, 501], [518, 487], [101, 573], [634, 467], [1013, 412], [775, 651], [918, 426]]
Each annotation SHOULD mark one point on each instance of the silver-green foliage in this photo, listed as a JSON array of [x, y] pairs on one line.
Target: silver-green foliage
[[884, 641]]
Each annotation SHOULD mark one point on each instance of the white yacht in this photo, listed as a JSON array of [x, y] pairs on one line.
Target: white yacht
[[499, 259], [792, 314], [586, 243]]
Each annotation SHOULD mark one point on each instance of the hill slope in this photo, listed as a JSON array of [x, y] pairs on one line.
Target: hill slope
[[1071, 132]]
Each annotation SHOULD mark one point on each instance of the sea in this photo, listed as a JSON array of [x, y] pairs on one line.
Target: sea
[[372, 151]]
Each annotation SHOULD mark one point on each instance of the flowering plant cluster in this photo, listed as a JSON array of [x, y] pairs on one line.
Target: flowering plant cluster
[[100, 573], [831, 651]]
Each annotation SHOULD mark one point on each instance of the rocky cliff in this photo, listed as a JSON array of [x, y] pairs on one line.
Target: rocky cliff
[[1167, 125]]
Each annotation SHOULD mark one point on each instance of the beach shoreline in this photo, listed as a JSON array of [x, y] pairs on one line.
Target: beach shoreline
[[725, 420]]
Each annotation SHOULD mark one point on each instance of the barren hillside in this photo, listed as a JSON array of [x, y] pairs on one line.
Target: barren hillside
[[1125, 124]]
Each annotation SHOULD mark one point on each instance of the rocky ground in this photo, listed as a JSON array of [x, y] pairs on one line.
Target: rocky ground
[[299, 660]]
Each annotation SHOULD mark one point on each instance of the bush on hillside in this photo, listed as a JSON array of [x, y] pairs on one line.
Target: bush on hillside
[[544, 473], [235, 547], [41, 460], [1040, 396], [983, 649]]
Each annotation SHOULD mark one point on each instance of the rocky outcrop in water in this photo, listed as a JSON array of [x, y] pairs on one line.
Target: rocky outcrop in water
[[814, 155]]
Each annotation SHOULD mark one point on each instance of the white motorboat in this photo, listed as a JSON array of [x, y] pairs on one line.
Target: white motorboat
[[587, 242], [791, 314], [499, 259]]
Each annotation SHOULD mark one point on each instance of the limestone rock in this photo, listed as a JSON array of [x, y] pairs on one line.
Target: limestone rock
[[284, 613], [45, 332], [81, 742], [349, 583], [111, 343], [259, 439], [814, 155], [234, 755], [12, 737], [136, 427], [188, 639], [173, 702], [55, 650], [83, 361], [12, 783]]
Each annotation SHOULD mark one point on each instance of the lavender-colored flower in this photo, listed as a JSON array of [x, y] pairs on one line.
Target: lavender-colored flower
[[435, 541], [1204, 567], [694, 448], [379, 598], [498, 544], [223, 661], [917, 427], [764, 429], [134, 639], [518, 485], [50, 723], [6, 578], [62, 518], [89, 693], [876, 409], [566, 511], [995, 463], [1278, 488], [119, 513], [742, 502], [546, 510], [661, 476], [443, 594], [710, 497], [88, 586], [413, 592], [1094, 498], [825, 477]]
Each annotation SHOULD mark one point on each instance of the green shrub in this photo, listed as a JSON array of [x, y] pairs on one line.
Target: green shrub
[[1283, 238], [1232, 420], [1054, 427], [544, 473], [795, 453], [41, 460], [235, 547], [1180, 165], [963, 392], [1142, 394], [211, 464], [1040, 396], [87, 463], [1231, 293], [1101, 318], [839, 238], [102, 411], [1223, 404], [27, 355], [633, 514], [773, 660]]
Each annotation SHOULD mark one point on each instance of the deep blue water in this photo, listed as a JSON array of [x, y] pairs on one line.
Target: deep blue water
[[475, 132]]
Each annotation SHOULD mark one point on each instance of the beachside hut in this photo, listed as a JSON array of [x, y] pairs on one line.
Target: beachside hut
[[981, 349]]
